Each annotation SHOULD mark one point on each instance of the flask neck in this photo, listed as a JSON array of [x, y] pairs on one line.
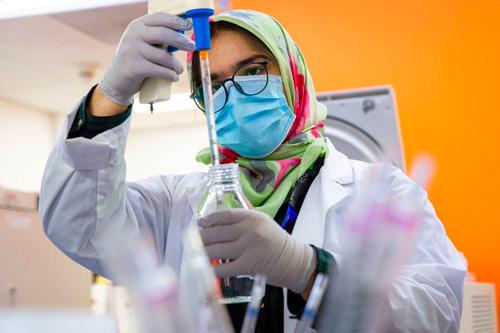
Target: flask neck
[[224, 174]]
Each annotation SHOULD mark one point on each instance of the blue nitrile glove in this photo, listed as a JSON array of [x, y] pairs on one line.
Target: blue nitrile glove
[[139, 56]]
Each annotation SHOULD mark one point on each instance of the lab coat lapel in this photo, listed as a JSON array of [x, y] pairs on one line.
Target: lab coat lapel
[[326, 190]]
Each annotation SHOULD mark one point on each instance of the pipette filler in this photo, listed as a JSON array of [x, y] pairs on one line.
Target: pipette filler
[[155, 90], [158, 90]]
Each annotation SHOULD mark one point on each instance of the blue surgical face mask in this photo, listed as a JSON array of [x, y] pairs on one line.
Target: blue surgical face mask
[[253, 126]]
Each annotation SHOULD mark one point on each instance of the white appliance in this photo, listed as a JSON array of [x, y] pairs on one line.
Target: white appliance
[[364, 125], [479, 312]]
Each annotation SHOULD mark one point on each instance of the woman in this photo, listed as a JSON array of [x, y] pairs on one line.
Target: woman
[[270, 123]]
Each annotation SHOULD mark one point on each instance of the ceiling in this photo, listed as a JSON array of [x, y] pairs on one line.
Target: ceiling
[[48, 62]]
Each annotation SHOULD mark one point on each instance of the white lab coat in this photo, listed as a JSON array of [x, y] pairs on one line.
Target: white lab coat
[[84, 194]]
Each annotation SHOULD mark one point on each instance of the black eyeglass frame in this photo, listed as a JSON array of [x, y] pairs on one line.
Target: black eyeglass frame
[[263, 63]]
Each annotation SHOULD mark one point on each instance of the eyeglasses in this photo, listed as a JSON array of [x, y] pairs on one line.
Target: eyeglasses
[[246, 70]]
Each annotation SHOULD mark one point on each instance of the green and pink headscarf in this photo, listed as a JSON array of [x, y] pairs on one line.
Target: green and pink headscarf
[[267, 182]]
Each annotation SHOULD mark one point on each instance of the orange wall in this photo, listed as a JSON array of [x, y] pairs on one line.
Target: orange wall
[[443, 60]]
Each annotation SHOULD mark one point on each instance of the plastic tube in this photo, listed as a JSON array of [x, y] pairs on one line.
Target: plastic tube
[[258, 291], [313, 303]]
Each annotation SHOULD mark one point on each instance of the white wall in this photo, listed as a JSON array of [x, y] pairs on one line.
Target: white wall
[[26, 138], [157, 144], [170, 147]]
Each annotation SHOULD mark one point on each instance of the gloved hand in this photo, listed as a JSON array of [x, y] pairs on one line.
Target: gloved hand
[[257, 244], [138, 55]]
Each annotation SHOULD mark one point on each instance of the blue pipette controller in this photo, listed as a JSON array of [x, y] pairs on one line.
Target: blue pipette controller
[[155, 90]]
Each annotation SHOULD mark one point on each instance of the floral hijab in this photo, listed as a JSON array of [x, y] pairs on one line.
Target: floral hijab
[[267, 182]]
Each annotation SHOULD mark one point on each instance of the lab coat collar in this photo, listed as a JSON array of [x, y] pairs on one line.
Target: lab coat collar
[[337, 166], [327, 190]]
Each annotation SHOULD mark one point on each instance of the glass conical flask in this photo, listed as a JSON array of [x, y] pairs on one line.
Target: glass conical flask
[[224, 191]]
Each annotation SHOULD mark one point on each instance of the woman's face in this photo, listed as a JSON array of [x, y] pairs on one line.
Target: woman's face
[[229, 51]]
